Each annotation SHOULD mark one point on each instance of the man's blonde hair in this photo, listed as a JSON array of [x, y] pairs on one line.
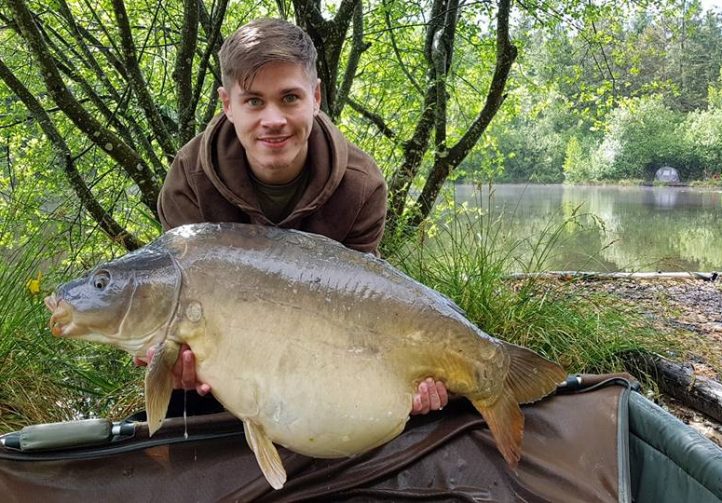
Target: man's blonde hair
[[264, 41]]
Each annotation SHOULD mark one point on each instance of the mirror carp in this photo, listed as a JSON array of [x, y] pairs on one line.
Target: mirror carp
[[314, 346]]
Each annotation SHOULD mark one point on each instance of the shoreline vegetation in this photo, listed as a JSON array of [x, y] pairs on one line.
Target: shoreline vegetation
[[586, 329]]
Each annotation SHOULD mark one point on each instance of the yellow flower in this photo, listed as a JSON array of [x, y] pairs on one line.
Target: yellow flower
[[33, 284]]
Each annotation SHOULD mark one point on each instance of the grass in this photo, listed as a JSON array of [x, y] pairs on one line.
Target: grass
[[712, 183], [43, 378]]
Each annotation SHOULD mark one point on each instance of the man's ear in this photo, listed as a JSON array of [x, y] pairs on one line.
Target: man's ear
[[225, 98], [317, 97]]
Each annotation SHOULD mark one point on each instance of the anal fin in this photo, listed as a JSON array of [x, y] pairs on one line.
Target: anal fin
[[266, 454], [159, 383], [506, 422]]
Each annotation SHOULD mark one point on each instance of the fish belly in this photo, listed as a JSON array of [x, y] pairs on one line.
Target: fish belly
[[344, 411], [325, 402]]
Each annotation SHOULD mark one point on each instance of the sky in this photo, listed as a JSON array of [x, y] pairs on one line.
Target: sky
[[712, 4]]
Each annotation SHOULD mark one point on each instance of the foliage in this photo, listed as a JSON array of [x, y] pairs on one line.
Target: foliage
[[644, 134], [701, 135], [582, 75], [533, 142], [641, 136]]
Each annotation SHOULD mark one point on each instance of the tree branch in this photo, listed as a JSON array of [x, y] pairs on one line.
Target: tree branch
[[358, 47], [134, 165], [414, 150], [85, 37], [328, 38], [375, 119], [395, 47], [68, 67], [282, 9], [212, 27], [137, 81], [90, 60], [183, 72], [506, 53], [106, 222]]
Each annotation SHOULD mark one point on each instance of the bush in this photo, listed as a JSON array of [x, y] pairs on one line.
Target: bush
[[641, 136], [701, 134]]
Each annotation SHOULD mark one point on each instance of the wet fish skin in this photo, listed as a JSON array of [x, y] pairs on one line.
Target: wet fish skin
[[315, 346]]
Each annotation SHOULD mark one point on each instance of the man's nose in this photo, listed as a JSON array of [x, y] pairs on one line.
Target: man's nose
[[273, 117]]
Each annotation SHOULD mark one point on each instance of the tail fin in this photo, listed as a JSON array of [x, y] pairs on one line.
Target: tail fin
[[529, 379]]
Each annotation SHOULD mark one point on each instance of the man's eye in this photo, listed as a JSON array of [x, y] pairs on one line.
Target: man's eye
[[290, 98], [254, 102]]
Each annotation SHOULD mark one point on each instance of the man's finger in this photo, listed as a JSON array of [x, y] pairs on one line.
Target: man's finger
[[434, 399], [443, 394], [188, 378], [424, 392]]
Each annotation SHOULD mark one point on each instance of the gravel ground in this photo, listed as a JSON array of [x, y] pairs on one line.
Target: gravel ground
[[692, 306], [678, 305]]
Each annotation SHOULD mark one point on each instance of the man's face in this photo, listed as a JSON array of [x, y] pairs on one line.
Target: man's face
[[273, 119]]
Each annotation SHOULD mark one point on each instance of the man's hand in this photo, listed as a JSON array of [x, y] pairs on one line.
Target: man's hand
[[430, 396], [184, 371]]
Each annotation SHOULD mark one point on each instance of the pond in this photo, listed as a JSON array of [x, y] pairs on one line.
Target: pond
[[618, 228]]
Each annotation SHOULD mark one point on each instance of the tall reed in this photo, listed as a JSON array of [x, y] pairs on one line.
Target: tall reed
[[44, 378]]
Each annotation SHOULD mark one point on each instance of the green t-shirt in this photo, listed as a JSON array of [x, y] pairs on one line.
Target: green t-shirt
[[278, 201]]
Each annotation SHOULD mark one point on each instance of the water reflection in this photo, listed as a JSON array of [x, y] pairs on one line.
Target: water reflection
[[664, 199], [624, 228]]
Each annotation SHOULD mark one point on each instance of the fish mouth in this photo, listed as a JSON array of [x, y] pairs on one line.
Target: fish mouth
[[61, 322]]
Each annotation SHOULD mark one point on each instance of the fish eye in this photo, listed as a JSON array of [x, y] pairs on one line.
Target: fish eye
[[101, 279]]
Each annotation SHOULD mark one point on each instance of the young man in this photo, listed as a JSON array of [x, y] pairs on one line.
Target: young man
[[273, 158]]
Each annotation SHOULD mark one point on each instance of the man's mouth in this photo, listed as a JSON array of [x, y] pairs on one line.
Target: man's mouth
[[274, 141]]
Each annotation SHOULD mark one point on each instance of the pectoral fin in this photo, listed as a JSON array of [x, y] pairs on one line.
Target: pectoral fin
[[159, 383], [266, 454]]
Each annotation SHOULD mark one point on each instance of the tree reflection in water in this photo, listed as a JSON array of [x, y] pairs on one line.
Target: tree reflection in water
[[618, 228]]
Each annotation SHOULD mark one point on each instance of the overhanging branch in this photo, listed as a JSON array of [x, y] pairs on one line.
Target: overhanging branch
[[100, 135], [505, 55], [106, 222]]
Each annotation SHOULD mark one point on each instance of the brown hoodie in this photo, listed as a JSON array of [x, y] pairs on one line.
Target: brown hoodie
[[345, 200]]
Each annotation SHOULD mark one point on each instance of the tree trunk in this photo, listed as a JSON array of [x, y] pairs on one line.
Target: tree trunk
[[679, 381]]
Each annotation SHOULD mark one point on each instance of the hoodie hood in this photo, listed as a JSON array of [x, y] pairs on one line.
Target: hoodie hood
[[224, 162]]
